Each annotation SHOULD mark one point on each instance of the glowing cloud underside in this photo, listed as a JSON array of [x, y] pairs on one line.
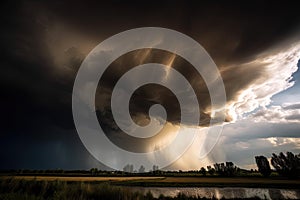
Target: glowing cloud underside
[[276, 74], [275, 77]]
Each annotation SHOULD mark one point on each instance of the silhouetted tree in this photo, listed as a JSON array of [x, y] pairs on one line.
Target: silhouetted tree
[[128, 168], [288, 165], [231, 170], [226, 169], [94, 171], [211, 170], [203, 171], [263, 165], [142, 169], [155, 168]]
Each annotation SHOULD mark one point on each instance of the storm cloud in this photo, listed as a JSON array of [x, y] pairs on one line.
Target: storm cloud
[[255, 47]]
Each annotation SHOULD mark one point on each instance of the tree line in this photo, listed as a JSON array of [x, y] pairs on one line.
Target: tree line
[[285, 165]]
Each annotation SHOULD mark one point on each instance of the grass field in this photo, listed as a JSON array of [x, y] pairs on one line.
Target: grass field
[[59, 187], [272, 182], [82, 179]]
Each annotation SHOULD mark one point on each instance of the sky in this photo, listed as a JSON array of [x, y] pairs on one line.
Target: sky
[[255, 45]]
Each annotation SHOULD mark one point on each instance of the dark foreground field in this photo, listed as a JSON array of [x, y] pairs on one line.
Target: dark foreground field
[[160, 181], [51, 187]]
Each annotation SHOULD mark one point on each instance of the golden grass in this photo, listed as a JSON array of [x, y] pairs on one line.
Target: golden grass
[[89, 179], [180, 180]]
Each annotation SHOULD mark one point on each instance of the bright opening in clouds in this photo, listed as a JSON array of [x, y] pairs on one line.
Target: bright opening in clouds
[[275, 75], [257, 125]]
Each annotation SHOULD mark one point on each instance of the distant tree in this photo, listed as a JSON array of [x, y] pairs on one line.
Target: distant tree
[[286, 165], [226, 169], [230, 169], [94, 171], [263, 165], [142, 169], [203, 171], [211, 170], [128, 168], [155, 168], [219, 167]]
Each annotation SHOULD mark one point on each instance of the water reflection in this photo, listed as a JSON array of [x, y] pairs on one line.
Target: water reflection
[[219, 193]]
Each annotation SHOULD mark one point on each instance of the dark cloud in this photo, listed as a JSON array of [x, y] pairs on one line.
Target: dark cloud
[[43, 45], [293, 117], [287, 113], [292, 106]]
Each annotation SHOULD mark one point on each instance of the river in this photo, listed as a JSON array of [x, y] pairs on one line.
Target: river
[[227, 192]]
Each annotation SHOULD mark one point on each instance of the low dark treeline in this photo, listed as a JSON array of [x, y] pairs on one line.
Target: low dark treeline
[[285, 165], [211, 172]]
